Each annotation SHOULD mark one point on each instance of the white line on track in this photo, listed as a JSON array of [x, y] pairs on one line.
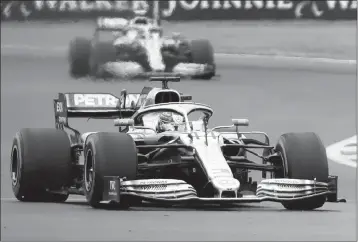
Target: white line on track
[[291, 58], [227, 55], [344, 152]]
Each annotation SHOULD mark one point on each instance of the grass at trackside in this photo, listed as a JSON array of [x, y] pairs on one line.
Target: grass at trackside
[[301, 38]]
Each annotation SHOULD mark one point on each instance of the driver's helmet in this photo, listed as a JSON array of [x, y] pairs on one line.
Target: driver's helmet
[[168, 121]]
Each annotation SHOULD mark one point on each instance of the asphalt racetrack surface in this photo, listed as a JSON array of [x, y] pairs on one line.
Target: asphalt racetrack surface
[[277, 97]]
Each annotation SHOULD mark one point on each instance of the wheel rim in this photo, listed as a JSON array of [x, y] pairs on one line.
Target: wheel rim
[[15, 166], [89, 171]]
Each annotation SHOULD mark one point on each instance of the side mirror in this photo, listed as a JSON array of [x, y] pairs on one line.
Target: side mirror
[[240, 122], [123, 122]]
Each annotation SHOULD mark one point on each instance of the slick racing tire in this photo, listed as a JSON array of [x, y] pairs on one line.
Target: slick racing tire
[[202, 52], [78, 58], [304, 157], [40, 162], [102, 53], [108, 154]]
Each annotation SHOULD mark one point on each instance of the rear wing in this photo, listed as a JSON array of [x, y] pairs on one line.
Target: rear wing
[[94, 105], [111, 23]]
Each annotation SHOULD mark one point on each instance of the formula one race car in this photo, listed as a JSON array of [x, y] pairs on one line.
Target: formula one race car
[[161, 153], [135, 48]]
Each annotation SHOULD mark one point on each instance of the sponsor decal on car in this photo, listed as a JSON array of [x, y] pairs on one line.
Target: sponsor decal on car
[[59, 107], [95, 100], [156, 182], [129, 101], [112, 188]]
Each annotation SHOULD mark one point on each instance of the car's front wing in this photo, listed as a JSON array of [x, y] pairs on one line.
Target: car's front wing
[[133, 70], [204, 200], [172, 191]]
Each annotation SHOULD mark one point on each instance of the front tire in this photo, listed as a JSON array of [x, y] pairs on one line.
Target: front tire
[[79, 53], [102, 53], [304, 157], [107, 154], [202, 52]]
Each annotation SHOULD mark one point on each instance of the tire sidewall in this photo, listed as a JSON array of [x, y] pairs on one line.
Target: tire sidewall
[[94, 194], [18, 187]]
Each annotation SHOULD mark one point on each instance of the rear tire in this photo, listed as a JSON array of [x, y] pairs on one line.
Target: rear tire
[[202, 52], [304, 157], [40, 162], [79, 54], [107, 154]]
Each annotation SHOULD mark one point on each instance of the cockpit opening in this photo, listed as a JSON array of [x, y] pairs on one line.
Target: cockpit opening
[[141, 21]]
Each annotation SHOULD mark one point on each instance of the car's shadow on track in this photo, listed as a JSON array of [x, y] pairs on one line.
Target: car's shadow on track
[[150, 207]]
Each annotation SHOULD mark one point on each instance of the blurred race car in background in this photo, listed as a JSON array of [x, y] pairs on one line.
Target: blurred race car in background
[[136, 47], [164, 152]]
